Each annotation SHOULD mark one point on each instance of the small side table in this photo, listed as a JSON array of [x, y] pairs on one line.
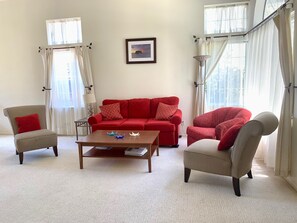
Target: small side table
[[82, 123]]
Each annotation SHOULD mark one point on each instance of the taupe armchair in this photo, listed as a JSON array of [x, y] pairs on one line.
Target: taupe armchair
[[31, 140], [203, 155]]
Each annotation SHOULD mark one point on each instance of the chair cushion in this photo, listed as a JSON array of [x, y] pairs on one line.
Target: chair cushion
[[111, 111], [164, 111], [28, 123], [229, 137], [201, 132], [42, 138], [203, 155]]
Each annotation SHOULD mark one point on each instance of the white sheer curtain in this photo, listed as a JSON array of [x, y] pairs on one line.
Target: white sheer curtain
[[214, 47], [64, 31], [225, 19], [67, 92], [263, 83], [284, 143], [47, 59], [83, 58]]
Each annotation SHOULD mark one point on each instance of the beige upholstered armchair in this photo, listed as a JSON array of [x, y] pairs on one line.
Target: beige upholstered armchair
[[204, 155], [29, 128]]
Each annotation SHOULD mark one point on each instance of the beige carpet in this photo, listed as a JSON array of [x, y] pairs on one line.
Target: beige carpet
[[50, 189]]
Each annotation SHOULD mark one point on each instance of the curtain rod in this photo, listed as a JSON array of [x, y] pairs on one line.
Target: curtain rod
[[271, 16], [64, 47]]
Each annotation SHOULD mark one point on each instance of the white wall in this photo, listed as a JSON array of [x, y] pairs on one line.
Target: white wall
[[106, 24]]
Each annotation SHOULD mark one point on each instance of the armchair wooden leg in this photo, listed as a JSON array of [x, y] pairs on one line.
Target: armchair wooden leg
[[250, 174], [55, 148], [236, 187], [187, 174], [21, 157]]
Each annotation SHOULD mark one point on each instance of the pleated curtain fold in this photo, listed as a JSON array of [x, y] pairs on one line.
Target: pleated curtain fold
[[284, 138]]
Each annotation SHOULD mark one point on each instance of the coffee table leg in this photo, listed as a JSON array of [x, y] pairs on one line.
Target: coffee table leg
[[150, 159], [80, 156], [157, 143]]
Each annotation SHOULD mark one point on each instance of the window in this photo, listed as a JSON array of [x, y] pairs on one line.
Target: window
[[67, 85], [271, 6], [231, 18], [225, 85], [64, 31]]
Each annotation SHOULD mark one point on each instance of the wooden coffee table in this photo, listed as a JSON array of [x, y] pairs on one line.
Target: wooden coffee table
[[117, 147]]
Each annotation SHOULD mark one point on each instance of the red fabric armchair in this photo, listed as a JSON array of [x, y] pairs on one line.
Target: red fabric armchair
[[213, 124]]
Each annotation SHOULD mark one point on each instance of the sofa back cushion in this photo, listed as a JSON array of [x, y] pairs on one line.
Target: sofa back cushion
[[139, 108], [123, 105], [173, 100]]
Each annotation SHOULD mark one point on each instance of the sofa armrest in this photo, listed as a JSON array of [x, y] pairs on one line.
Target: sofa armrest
[[176, 117], [95, 119]]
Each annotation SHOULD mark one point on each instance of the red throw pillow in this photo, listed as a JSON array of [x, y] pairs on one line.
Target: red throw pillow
[[164, 111], [111, 111], [28, 123], [229, 137], [223, 127]]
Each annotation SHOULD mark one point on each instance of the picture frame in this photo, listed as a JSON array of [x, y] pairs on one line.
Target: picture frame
[[141, 50]]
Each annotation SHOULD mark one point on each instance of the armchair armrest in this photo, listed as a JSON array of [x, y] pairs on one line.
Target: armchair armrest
[[95, 119], [204, 120], [176, 117]]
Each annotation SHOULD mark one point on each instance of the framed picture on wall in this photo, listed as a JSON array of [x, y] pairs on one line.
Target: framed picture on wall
[[142, 50]]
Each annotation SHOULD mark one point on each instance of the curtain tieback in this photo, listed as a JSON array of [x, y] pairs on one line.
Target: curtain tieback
[[89, 87], [46, 89], [289, 87], [197, 84]]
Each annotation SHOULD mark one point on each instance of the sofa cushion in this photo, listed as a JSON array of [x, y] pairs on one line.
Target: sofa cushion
[[229, 137], [133, 124], [164, 126], [108, 124], [164, 111], [28, 123], [173, 100], [111, 111], [123, 105], [139, 108]]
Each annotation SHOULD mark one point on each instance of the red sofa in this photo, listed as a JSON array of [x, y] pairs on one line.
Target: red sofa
[[214, 124], [140, 114]]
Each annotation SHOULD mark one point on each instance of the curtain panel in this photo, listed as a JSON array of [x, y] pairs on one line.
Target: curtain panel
[[83, 58], [213, 47], [263, 82], [284, 138], [47, 59]]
